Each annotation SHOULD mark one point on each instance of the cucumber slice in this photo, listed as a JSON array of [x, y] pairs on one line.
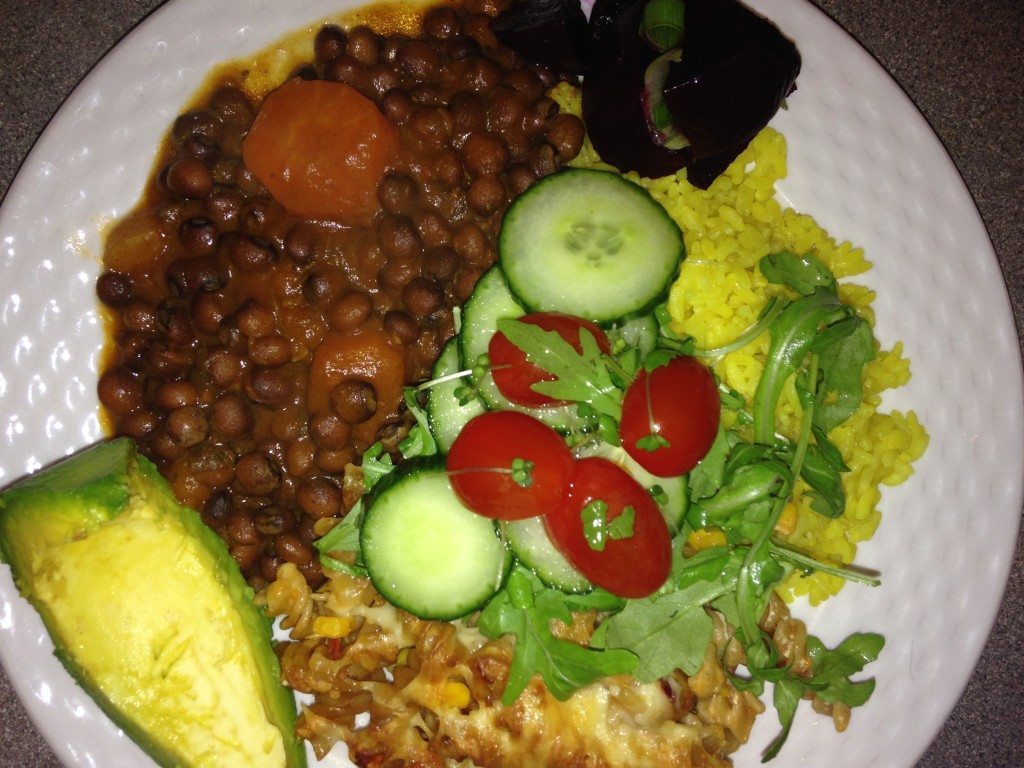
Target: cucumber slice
[[589, 243], [424, 550], [446, 415], [639, 332], [675, 501], [490, 302], [529, 541]]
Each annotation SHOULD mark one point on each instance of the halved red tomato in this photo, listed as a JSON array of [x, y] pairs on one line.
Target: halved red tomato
[[483, 458], [634, 566], [670, 417], [515, 376]]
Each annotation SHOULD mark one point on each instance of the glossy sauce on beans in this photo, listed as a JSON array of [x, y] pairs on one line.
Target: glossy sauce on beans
[[253, 354]]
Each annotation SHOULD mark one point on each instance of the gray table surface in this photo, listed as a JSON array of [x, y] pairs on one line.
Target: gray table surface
[[961, 63]]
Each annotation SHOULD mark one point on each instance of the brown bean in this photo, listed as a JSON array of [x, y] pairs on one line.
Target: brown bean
[[446, 168], [139, 316], [255, 319], [539, 116], [441, 263], [543, 159], [190, 178], [433, 229], [256, 474], [318, 497], [431, 125], [397, 272], [565, 134], [120, 391], [322, 285], [208, 312], [469, 113], [268, 566], [470, 243], [418, 59], [245, 555], [520, 177], [486, 194], [478, 27], [200, 273], [137, 424], [231, 107], [383, 79], [422, 296], [480, 73], [250, 254], [350, 311], [270, 387], [198, 235], [397, 193], [441, 23], [160, 360], [222, 205], [483, 154], [273, 520], [115, 289], [231, 416], [201, 148], [293, 549], [217, 508], [399, 238], [329, 43], [526, 82], [300, 243], [176, 394], [334, 460], [241, 528], [354, 400], [225, 368], [460, 48], [346, 69], [401, 326], [397, 106], [271, 351], [363, 45], [195, 123], [505, 109], [187, 426], [176, 323], [298, 458]]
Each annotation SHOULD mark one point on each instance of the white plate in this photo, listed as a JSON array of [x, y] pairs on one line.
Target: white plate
[[862, 160]]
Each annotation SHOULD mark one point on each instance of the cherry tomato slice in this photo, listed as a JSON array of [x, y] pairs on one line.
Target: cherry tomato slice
[[494, 440], [515, 376], [635, 566], [678, 403]]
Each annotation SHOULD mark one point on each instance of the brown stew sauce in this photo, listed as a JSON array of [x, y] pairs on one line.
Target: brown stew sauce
[[254, 355]]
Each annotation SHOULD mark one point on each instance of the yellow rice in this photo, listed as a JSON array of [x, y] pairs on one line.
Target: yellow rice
[[720, 292]]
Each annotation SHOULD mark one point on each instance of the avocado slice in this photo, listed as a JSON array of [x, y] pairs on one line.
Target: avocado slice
[[149, 612]]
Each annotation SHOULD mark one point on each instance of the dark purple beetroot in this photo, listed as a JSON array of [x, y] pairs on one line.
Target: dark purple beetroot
[[735, 71], [549, 32]]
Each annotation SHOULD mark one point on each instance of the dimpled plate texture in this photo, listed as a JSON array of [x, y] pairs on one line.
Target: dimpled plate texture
[[862, 160]]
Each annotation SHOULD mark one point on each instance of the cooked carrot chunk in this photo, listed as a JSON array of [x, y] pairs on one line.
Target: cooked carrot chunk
[[321, 148]]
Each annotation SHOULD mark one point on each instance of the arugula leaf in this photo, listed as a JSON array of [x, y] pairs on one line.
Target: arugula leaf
[[582, 377], [829, 680], [793, 333], [666, 631], [842, 365], [524, 609], [804, 274], [420, 441], [376, 464], [343, 537], [707, 476]]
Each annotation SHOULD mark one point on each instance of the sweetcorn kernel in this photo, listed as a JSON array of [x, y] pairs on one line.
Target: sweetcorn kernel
[[705, 538], [456, 694], [332, 626]]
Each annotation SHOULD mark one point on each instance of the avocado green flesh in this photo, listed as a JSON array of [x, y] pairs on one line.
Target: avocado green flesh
[[149, 612]]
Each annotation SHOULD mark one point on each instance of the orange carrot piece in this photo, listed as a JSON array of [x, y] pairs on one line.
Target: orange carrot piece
[[321, 148]]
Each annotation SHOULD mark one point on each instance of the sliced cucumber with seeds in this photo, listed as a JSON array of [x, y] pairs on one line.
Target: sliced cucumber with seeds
[[424, 550], [589, 243], [639, 332], [490, 302], [529, 541], [446, 414]]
